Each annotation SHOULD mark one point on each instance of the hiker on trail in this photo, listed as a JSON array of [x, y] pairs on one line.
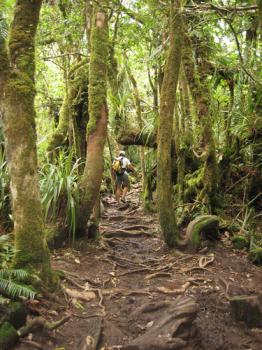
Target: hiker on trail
[[121, 166]]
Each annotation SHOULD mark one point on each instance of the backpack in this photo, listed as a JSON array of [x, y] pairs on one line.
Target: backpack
[[118, 166]]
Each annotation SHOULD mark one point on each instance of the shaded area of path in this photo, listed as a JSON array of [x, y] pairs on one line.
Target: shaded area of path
[[132, 281]]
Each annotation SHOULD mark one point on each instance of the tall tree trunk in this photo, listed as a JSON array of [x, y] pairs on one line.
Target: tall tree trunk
[[75, 81], [20, 133], [165, 130], [137, 103], [197, 80], [98, 114]]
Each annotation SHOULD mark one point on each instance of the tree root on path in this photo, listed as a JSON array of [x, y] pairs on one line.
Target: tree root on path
[[40, 322], [122, 233], [126, 292], [174, 291], [158, 274], [172, 327], [206, 260], [31, 343], [130, 262], [196, 268], [164, 268]]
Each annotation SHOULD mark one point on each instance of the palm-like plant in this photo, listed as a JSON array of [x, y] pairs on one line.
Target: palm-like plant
[[58, 185]]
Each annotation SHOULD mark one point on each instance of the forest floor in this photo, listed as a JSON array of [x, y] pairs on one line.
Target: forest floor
[[108, 287]]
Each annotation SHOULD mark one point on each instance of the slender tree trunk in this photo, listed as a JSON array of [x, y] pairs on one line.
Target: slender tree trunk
[[98, 114], [139, 119], [77, 77], [197, 80], [20, 134], [165, 130]]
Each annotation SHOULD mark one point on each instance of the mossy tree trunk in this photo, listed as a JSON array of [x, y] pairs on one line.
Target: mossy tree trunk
[[165, 129], [198, 83], [76, 86], [20, 134], [98, 114], [137, 102]]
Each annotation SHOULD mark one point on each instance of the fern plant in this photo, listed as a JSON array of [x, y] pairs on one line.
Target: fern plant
[[58, 185], [11, 284], [12, 281]]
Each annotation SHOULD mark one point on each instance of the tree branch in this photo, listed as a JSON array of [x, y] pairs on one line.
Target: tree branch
[[204, 8]]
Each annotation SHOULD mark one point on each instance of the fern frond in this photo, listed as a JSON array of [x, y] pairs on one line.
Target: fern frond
[[15, 290], [17, 274]]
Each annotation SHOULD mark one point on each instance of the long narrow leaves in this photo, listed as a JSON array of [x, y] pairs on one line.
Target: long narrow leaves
[[58, 184]]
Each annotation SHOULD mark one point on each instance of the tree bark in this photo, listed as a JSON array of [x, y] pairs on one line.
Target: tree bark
[[76, 83], [97, 126], [197, 80], [165, 130], [20, 133]]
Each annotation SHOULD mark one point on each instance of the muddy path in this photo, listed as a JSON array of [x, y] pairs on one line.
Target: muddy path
[[127, 289]]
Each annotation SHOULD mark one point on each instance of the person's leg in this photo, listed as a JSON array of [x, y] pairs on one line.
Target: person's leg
[[118, 187], [125, 190], [118, 193], [126, 186]]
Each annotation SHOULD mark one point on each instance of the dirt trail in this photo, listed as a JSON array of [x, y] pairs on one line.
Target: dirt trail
[[131, 268]]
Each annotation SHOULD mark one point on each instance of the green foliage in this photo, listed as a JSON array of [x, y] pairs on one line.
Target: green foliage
[[58, 186], [11, 284], [6, 250], [4, 188], [240, 242], [12, 281], [255, 255]]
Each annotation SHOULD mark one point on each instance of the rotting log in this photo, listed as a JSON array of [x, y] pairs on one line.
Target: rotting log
[[204, 225]]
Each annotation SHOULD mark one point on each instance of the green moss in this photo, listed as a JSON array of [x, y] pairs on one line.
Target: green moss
[[240, 242], [206, 225], [16, 314], [8, 336]]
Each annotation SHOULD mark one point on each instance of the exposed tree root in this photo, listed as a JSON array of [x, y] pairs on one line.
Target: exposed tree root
[[40, 322], [206, 260], [174, 291], [158, 274], [123, 233]]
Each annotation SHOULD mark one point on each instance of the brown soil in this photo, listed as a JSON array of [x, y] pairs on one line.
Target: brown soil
[[128, 271]]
